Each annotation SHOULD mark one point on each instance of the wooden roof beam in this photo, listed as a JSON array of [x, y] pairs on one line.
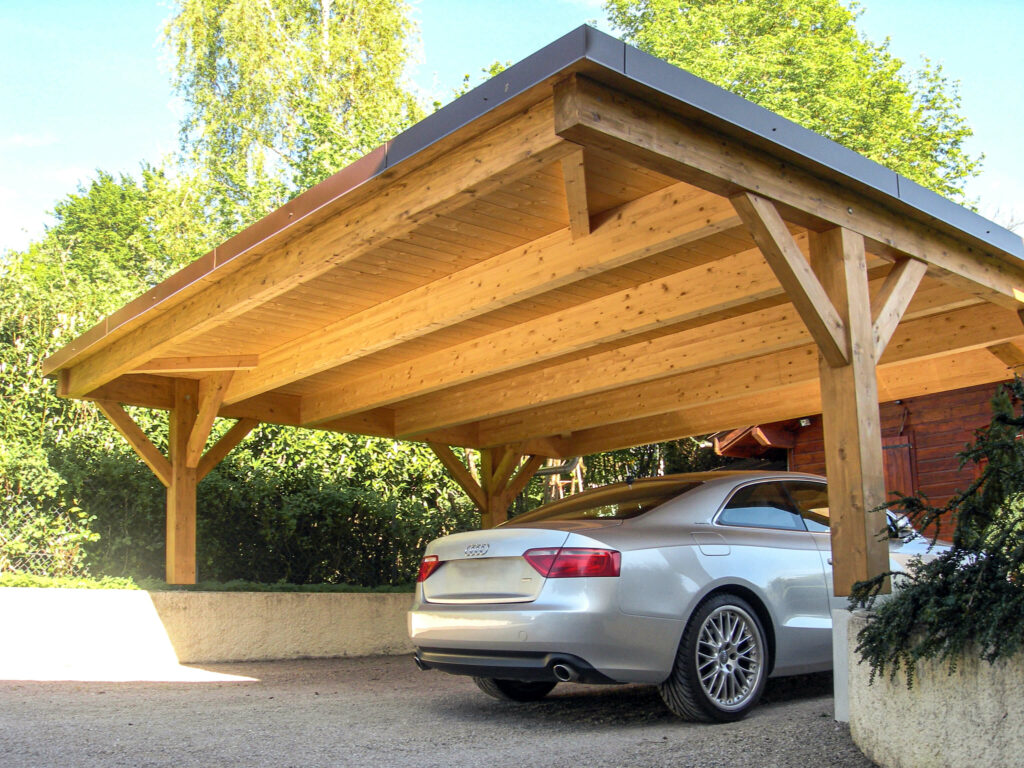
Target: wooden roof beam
[[939, 374], [666, 219], [592, 114], [211, 364], [444, 392], [509, 151], [728, 283], [935, 336]]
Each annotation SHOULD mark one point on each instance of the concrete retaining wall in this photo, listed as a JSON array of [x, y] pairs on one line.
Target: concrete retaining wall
[[55, 633], [970, 718]]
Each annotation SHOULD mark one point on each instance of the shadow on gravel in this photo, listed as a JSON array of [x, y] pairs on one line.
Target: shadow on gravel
[[628, 705]]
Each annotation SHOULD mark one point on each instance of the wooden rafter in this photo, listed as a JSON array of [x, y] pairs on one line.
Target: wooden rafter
[[655, 223], [1010, 354], [137, 439], [724, 284], [517, 148], [593, 114], [796, 276], [575, 179]]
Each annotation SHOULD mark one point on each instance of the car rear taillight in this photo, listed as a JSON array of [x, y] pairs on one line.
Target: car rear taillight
[[428, 565], [572, 562]]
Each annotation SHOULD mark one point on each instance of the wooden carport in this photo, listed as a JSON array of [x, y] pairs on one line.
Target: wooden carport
[[590, 251]]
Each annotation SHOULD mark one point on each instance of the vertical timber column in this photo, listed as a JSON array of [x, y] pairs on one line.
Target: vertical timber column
[[849, 398], [181, 493]]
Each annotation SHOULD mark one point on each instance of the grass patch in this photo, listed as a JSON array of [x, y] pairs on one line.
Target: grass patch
[[155, 585]]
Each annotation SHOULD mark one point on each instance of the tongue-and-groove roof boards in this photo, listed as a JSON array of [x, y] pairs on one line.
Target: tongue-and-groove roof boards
[[592, 250]]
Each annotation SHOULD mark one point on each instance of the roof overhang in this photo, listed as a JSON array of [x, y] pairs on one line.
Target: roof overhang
[[563, 259]]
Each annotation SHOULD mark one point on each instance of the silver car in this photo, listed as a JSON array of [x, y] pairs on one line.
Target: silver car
[[704, 584]]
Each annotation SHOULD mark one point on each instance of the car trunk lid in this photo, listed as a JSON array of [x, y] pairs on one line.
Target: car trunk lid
[[488, 566]]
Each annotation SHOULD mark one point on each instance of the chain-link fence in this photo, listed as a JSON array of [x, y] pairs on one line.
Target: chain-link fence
[[41, 544]]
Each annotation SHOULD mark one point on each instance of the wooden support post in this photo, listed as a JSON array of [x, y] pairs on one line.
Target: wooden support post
[[181, 493], [853, 441], [192, 414], [575, 180]]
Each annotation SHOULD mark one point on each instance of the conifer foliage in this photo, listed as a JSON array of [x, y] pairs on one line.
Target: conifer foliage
[[969, 599]]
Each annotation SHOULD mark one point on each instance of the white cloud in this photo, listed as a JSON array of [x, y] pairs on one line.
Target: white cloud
[[29, 140]]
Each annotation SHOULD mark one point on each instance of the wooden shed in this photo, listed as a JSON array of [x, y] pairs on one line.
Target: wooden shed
[[592, 250]]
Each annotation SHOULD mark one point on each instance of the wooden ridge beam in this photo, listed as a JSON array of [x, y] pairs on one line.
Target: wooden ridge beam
[[574, 178], [594, 115], [725, 284], [972, 328], [796, 276], [471, 170], [137, 439], [666, 219]]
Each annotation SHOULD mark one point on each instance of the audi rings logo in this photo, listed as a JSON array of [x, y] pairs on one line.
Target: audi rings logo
[[477, 550]]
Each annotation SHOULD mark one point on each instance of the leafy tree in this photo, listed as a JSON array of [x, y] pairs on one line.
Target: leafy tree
[[969, 599], [282, 93], [805, 60]]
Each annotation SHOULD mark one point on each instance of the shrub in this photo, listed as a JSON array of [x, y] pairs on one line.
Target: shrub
[[969, 599]]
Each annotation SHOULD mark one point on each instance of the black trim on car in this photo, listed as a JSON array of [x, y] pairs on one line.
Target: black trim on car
[[507, 665]]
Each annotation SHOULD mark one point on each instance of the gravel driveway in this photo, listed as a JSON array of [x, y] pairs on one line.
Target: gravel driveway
[[382, 712]]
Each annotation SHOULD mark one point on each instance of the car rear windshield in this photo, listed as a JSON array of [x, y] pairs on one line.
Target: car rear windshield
[[617, 502]]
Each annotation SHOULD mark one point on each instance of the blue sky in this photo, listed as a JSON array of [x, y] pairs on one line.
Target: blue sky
[[84, 83]]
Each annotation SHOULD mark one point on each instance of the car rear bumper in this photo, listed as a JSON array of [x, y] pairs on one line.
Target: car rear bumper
[[505, 665], [583, 623]]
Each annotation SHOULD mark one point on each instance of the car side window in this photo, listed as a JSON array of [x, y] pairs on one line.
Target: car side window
[[811, 500], [761, 505]]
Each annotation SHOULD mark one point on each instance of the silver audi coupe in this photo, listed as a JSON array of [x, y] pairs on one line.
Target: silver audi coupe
[[703, 584]]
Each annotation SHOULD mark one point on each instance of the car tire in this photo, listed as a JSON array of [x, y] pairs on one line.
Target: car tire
[[514, 690], [721, 666]]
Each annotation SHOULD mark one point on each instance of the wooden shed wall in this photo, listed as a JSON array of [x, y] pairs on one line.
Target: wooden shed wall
[[928, 431]]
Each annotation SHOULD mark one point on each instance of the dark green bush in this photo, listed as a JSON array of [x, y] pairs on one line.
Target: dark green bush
[[969, 599]]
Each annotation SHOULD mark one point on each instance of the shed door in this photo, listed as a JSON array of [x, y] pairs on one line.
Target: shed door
[[898, 455]]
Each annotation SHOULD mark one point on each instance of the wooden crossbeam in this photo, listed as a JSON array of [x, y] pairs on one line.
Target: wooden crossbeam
[[137, 439], [645, 227], [595, 115], [211, 394], [167, 365], [893, 299], [574, 178], [470, 170], [795, 274]]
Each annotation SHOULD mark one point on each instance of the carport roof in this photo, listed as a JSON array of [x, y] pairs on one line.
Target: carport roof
[[570, 258]]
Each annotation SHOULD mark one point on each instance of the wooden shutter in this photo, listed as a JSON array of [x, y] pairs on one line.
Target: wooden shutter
[[898, 457]]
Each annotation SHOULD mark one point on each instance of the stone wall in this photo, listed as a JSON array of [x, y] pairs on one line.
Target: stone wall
[[970, 718]]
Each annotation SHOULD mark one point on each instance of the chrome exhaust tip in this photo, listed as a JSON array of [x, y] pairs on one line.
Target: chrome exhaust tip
[[420, 664], [564, 673]]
